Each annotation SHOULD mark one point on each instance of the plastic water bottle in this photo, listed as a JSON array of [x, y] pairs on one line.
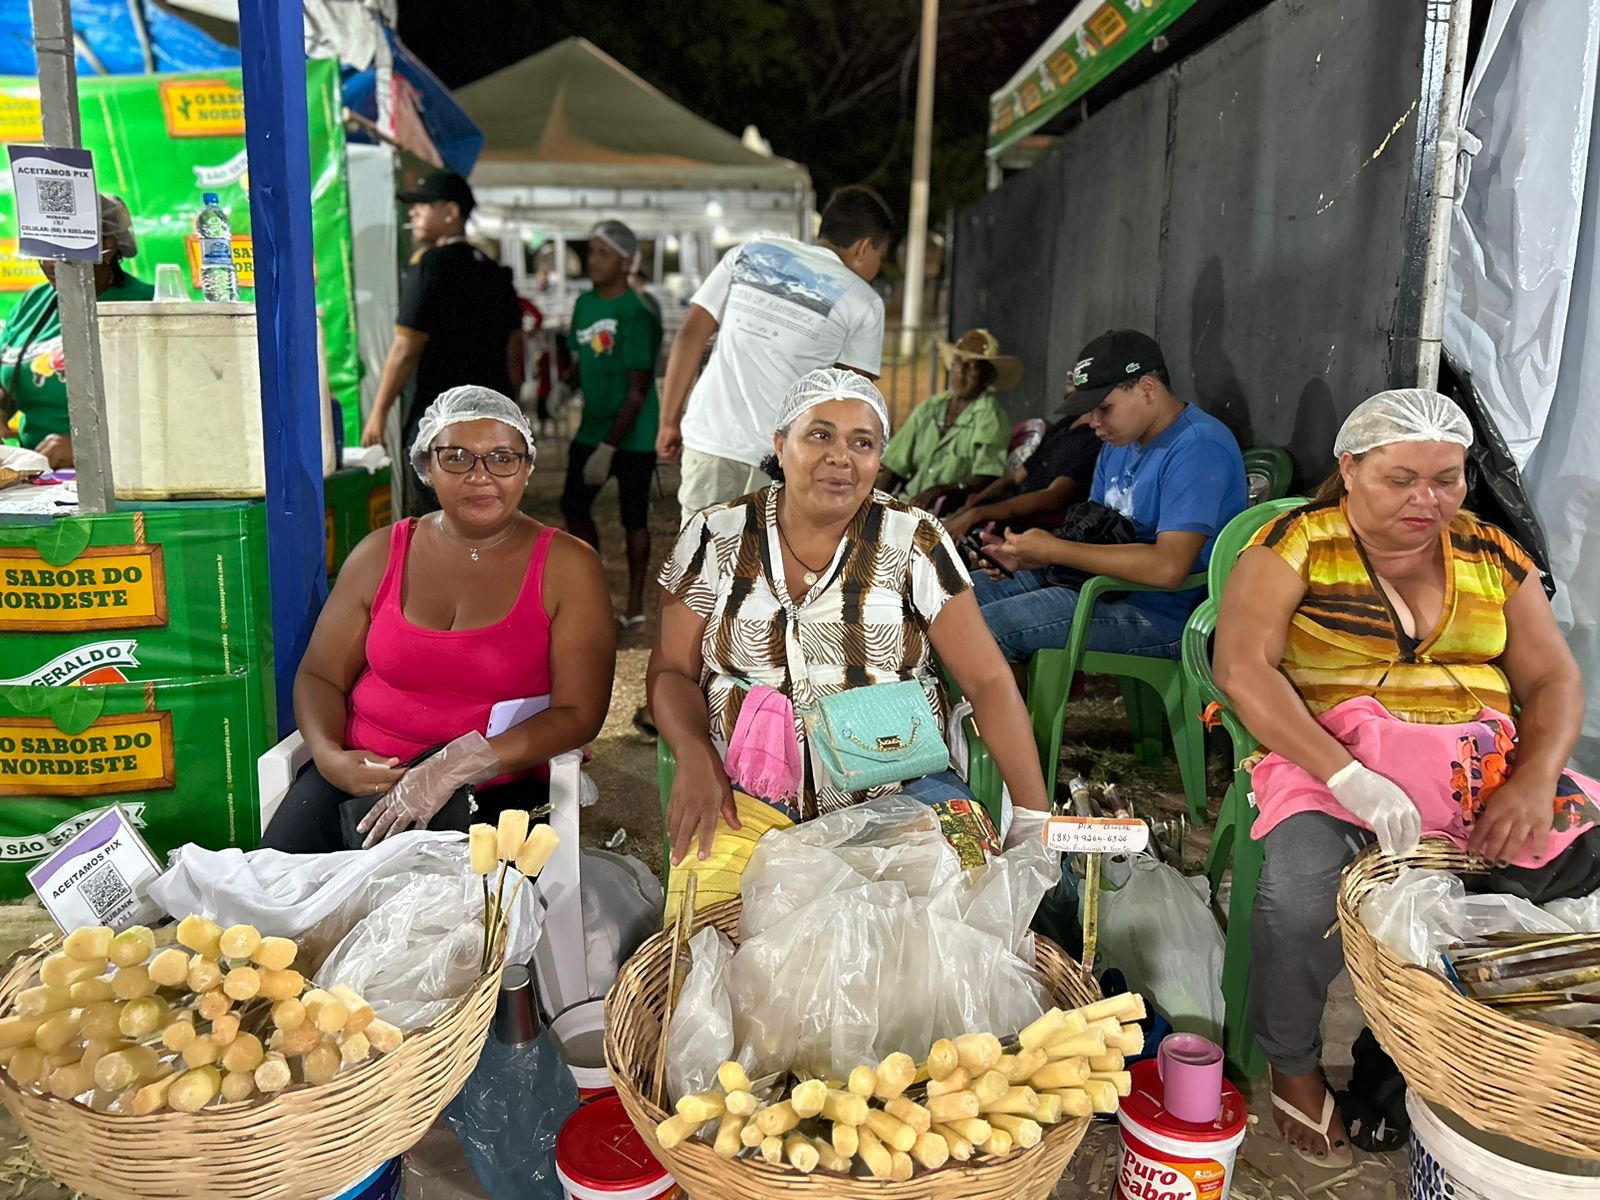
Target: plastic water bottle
[[218, 279]]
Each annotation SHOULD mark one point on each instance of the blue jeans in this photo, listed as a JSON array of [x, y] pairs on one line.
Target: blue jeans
[[939, 788], [1026, 614]]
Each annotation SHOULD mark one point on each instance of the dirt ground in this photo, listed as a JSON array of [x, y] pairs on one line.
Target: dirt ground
[[624, 770]]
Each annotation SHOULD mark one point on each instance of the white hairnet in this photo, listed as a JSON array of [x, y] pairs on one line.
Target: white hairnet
[[1402, 415], [457, 406], [116, 222], [831, 383]]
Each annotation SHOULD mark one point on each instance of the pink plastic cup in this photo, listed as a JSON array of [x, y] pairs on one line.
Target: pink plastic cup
[[1190, 1067]]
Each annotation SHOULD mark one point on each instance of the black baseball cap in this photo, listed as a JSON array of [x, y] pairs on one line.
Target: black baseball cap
[[439, 187], [1116, 357]]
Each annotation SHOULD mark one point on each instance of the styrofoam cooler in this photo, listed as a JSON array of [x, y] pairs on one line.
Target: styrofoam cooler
[[183, 400]]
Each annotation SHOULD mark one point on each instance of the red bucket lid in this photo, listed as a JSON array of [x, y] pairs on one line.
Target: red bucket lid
[[1145, 1107], [598, 1148]]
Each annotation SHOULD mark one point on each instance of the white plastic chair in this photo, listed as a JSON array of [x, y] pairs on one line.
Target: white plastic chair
[[275, 771]]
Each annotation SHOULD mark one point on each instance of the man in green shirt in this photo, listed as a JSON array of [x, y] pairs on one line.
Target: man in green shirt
[[33, 370], [955, 442], [615, 339]]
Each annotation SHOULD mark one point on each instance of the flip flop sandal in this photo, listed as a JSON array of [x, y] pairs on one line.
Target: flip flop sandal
[[1377, 1123], [643, 723], [631, 624], [1334, 1160]]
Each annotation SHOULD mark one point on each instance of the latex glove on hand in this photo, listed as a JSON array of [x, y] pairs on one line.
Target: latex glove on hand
[[1027, 827], [426, 788], [1379, 802], [597, 467]]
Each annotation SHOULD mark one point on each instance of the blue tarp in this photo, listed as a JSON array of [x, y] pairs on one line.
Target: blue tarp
[[106, 27], [455, 135]]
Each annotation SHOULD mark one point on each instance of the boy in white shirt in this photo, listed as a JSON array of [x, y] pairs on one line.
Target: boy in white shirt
[[779, 308]]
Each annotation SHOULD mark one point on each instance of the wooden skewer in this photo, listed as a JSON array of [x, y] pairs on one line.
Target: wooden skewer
[[682, 930]]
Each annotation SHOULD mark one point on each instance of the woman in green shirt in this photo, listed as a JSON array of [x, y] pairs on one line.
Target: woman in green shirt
[[33, 370], [956, 441]]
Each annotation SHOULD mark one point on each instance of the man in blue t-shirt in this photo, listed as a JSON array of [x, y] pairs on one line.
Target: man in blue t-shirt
[[1173, 471]]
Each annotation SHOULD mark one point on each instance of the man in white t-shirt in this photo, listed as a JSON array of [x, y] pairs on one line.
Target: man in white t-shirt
[[778, 308]]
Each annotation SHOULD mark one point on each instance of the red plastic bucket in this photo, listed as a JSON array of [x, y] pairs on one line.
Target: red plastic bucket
[[1164, 1158], [600, 1156]]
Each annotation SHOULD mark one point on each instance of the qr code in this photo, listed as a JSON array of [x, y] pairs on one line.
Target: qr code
[[106, 891], [58, 198]]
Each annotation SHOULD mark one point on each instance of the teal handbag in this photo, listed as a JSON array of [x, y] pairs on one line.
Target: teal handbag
[[885, 733]]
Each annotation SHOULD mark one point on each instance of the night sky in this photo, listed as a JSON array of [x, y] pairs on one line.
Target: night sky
[[830, 83]]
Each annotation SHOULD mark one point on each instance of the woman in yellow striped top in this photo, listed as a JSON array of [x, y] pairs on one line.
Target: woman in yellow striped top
[[1350, 634]]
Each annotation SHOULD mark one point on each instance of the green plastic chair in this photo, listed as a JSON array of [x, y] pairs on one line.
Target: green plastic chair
[[1156, 690], [983, 777], [1273, 464], [1231, 840]]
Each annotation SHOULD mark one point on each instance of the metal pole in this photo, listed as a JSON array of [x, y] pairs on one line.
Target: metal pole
[[921, 154], [272, 50], [1431, 337], [75, 293]]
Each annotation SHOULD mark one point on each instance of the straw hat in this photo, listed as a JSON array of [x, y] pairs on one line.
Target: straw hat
[[982, 346]]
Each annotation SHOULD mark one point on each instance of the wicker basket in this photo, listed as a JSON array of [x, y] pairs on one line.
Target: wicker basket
[[1525, 1079], [297, 1145], [633, 1027]]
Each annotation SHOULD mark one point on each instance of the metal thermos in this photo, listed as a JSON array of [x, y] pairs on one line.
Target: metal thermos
[[516, 1017]]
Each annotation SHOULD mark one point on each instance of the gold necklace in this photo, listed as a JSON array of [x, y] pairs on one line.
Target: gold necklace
[[473, 550]]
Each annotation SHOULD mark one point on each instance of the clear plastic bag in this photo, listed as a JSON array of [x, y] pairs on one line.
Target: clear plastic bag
[[508, 1115], [1159, 932], [700, 1038], [1420, 912], [621, 909], [401, 923], [855, 944]]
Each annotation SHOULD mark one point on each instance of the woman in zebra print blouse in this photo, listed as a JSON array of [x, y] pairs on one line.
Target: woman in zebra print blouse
[[820, 578]]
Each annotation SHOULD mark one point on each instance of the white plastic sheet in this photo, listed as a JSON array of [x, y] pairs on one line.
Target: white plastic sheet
[[1421, 912], [1525, 263]]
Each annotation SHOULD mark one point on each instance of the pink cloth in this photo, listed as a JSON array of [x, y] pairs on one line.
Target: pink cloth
[[1449, 771], [423, 687], [763, 758]]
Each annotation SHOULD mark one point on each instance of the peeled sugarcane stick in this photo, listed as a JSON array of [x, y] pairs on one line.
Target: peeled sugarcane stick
[[1102, 1095], [1078, 1045], [676, 1130], [1111, 1060], [956, 1106], [894, 1075], [731, 1075], [909, 1111], [863, 1081], [1019, 1068], [989, 1087], [800, 1154], [1025, 1132], [385, 1038], [978, 1052], [1066, 1072], [809, 1097], [771, 1149], [273, 1074], [1047, 1110], [892, 1132], [750, 1137], [879, 1161], [702, 1107], [830, 1159], [901, 1167], [1075, 1102], [1132, 1040], [1125, 1007], [846, 1141], [775, 1120], [1000, 1143], [960, 1148], [957, 1081], [975, 1129], [1018, 1101], [62, 970], [91, 943], [844, 1108], [152, 1097], [930, 1151], [1121, 1080], [742, 1104], [729, 1128], [943, 1059]]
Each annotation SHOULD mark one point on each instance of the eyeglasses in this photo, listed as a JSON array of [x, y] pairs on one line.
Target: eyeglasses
[[458, 460]]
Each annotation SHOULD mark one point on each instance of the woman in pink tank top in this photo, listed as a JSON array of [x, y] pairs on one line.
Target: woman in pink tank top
[[448, 631]]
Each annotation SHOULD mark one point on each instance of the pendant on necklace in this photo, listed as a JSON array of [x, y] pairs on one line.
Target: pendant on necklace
[[474, 554], [810, 578]]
